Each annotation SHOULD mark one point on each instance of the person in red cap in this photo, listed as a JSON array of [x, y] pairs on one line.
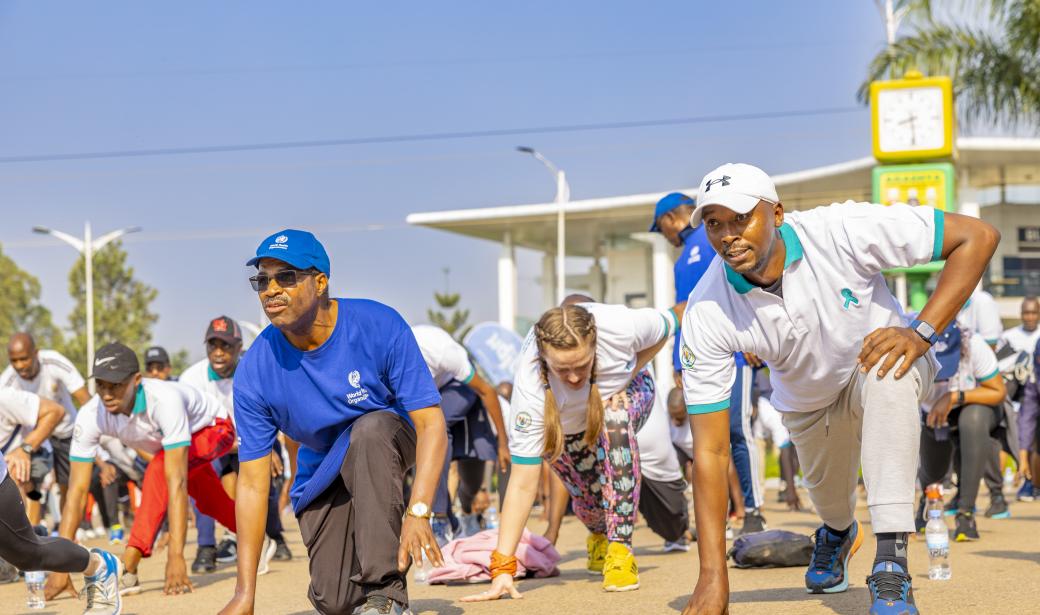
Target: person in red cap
[[214, 376]]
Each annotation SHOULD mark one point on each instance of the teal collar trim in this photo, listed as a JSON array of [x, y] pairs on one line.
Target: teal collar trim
[[140, 403], [792, 252], [212, 375]]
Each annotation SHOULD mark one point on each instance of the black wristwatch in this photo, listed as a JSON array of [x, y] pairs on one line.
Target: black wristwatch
[[960, 398], [26, 448]]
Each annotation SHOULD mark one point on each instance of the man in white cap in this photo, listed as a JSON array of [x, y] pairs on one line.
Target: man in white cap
[[804, 291]]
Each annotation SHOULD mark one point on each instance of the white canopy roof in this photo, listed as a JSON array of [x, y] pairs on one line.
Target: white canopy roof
[[982, 162]]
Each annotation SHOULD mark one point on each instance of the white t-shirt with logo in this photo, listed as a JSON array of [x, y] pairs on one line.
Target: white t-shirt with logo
[[445, 357], [621, 333], [56, 381], [979, 365], [981, 315], [1022, 340], [165, 415], [834, 295], [19, 412]]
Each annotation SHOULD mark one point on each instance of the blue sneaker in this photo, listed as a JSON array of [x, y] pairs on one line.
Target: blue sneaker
[[830, 558], [1025, 494], [102, 589], [890, 590]]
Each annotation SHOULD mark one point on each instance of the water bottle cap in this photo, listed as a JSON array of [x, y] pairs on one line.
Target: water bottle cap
[[934, 514]]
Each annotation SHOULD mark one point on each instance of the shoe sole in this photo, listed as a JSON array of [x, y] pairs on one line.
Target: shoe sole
[[265, 559], [844, 585], [1004, 515], [623, 588], [965, 538], [591, 572]]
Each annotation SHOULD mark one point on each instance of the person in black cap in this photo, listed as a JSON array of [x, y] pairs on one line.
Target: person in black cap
[[184, 430], [214, 375], [346, 380], [157, 364]]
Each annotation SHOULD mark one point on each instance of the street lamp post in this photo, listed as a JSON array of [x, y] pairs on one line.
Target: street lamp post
[[87, 247], [563, 194]]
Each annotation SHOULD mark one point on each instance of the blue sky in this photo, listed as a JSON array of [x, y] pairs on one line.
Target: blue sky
[[138, 76]]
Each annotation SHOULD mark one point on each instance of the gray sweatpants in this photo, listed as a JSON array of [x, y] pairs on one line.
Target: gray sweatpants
[[875, 423]]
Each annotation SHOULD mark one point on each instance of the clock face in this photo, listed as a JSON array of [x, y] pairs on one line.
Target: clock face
[[910, 119]]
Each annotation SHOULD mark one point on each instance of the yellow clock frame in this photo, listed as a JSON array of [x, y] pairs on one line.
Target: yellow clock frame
[[914, 80]]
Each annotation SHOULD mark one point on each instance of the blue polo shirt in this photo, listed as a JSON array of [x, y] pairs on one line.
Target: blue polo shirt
[[370, 362], [696, 255]]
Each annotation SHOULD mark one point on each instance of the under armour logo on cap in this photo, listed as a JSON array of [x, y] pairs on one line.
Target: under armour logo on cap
[[724, 180]]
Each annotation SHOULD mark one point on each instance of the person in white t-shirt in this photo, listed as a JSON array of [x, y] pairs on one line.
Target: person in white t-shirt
[[26, 422], [804, 291], [184, 430], [981, 315], [965, 407], [580, 395], [214, 376], [1023, 337], [50, 375]]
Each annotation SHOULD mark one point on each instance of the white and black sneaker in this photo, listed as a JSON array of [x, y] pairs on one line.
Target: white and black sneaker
[[227, 551]]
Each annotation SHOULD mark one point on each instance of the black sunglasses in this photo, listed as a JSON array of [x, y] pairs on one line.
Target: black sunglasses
[[286, 278]]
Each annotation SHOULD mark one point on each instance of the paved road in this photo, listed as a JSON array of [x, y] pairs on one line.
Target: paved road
[[995, 574]]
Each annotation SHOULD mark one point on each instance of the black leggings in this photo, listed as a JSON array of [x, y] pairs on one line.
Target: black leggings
[[974, 424], [20, 545]]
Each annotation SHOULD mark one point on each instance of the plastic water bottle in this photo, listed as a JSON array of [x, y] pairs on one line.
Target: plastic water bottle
[[934, 501], [422, 572], [491, 519], [34, 581], [937, 537], [1009, 478]]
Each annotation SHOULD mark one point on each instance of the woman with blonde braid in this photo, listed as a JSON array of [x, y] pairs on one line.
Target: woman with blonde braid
[[579, 397]]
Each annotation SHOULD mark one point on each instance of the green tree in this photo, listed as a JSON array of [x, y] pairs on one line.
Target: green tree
[[990, 49], [122, 305], [180, 361], [20, 307], [455, 324]]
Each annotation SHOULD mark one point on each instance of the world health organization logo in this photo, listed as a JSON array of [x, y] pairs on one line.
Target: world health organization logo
[[355, 379], [281, 239]]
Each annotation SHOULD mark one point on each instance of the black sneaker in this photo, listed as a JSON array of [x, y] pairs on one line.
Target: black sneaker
[[891, 592], [965, 529], [282, 552], [753, 522], [227, 552], [381, 605], [998, 507], [205, 560]]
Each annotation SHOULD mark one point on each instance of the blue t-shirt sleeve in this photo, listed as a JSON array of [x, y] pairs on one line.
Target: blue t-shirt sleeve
[[693, 262], [253, 420], [407, 373]]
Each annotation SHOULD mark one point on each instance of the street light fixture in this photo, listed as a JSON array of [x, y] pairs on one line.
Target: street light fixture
[[87, 247], [563, 194]]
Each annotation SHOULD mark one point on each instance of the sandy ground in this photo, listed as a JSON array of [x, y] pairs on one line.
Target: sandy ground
[[996, 574]]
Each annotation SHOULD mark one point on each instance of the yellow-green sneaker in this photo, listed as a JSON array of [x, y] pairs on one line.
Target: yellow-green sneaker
[[620, 573], [596, 544]]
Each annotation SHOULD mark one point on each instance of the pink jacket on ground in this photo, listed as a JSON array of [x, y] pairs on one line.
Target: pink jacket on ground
[[467, 559]]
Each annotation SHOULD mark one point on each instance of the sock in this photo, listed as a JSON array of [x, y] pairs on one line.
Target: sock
[[839, 533], [891, 547]]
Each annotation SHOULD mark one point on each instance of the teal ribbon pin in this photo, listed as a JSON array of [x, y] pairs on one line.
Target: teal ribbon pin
[[849, 297]]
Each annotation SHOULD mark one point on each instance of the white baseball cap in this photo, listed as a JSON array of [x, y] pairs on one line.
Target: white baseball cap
[[738, 187]]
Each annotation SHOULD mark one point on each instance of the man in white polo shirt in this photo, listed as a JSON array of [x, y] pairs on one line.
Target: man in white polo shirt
[[183, 428], [804, 291], [50, 375]]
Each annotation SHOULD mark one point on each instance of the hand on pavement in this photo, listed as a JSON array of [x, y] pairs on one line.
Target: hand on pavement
[[500, 586], [57, 584], [711, 597], [177, 581], [417, 537]]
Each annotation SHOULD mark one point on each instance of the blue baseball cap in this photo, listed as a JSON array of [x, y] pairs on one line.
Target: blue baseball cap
[[948, 352], [667, 204], [300, 249]]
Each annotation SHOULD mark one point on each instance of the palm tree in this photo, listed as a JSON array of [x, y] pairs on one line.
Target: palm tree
[[993, 58]]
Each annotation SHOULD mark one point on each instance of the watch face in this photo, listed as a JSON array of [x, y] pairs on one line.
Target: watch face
[[420, 509], [911, 119]]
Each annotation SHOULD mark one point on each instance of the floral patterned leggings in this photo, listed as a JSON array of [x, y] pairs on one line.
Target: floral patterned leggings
[[604, 481]]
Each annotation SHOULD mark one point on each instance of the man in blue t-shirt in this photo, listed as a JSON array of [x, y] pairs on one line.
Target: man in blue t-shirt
[[672, 219], [344, 379]]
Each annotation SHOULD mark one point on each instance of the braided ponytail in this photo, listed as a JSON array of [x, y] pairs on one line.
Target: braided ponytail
[[565, 328]]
